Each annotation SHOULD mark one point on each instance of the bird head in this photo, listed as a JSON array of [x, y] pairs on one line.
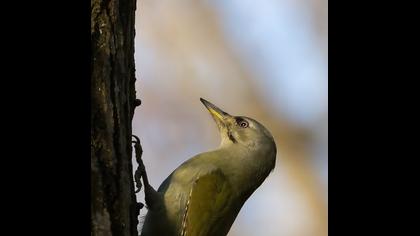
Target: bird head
[[240, 130]]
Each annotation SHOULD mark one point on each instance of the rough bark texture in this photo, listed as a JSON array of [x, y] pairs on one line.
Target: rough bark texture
[[113, 201]]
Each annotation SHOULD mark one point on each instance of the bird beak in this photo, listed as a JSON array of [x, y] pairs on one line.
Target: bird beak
[[218, 115]]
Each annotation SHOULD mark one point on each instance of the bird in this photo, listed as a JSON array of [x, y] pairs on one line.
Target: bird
[[203, 196]]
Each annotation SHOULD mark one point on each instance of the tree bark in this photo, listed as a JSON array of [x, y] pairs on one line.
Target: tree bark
[[114, 209]]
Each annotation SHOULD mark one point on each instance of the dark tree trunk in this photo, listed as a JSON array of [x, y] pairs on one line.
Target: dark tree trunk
[[113, 201]]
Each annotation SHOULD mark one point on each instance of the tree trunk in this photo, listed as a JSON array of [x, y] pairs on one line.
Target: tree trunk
[[113, 202]]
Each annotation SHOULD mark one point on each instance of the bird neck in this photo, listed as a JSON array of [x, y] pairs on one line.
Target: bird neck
[[246, 168]]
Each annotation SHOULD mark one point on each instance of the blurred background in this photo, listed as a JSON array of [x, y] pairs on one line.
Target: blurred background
[[265, 59]]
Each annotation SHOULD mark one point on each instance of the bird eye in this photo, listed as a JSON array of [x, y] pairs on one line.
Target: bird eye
[[243, 124]]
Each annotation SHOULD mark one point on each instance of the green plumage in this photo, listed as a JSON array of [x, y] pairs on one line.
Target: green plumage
[[203, 196]]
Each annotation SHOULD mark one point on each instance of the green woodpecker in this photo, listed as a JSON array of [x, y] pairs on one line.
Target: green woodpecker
[[203, 196]]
